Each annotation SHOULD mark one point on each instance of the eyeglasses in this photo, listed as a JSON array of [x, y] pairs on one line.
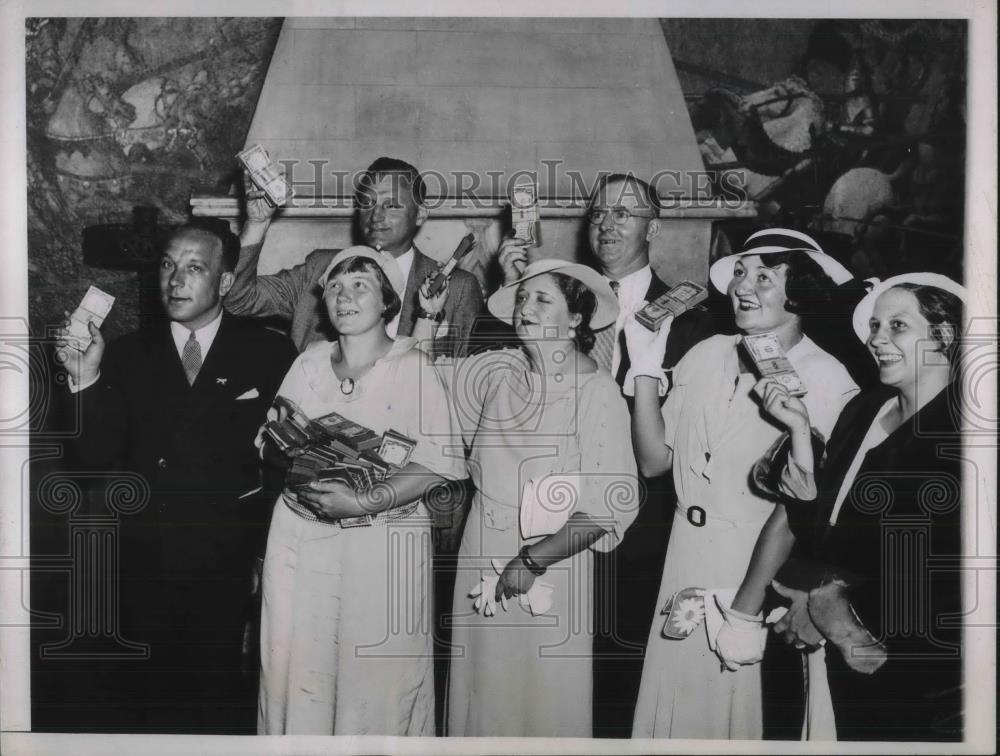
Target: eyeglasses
[[619, 215]]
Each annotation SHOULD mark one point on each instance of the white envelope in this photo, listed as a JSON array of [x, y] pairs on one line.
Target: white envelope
[[547, 503], [251, 394]]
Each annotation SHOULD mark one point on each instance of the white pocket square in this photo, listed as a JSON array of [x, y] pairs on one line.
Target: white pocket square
[[251, 394]]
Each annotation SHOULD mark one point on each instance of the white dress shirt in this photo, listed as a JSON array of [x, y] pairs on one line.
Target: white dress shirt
[[204, 336], [631, 294], [405, 263]]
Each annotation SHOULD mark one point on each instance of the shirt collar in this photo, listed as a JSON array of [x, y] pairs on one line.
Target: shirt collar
[[632, 289], [205, 335]]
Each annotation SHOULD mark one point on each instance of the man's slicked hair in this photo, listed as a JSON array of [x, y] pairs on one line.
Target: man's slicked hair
[[396, 169], [218, 228]]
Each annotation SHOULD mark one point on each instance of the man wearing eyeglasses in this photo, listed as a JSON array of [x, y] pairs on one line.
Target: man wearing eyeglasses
[[623, 217], [390, 212]]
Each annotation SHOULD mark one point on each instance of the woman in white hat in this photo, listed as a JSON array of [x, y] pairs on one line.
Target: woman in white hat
[[706, 683], [345, 640], [552, 463], [888, 501]]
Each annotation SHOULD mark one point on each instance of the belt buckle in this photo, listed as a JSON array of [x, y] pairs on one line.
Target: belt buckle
[[696, 516]]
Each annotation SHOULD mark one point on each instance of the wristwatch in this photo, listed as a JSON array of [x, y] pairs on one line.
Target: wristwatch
[[533, 567]]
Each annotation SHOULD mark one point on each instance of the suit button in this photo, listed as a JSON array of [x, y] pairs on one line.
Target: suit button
[[162, 463]]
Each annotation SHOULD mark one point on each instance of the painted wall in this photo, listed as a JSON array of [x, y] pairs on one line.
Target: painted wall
[[122, 112]]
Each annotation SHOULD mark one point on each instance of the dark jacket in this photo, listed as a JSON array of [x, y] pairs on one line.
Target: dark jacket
[[897, 543]]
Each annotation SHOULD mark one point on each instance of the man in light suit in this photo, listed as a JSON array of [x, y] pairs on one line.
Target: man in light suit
[[390, 212], [623, 218], [179, 403]]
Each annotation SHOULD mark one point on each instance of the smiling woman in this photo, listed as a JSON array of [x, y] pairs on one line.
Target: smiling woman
[[888, 476], [709, 432], [345, 649]]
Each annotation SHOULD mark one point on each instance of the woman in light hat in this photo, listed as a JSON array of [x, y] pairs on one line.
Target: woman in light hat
[[552, 463], [345, 633], [702, 679], [888, 501]]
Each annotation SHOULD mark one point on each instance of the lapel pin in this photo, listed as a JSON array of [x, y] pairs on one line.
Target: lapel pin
[[221, 381]]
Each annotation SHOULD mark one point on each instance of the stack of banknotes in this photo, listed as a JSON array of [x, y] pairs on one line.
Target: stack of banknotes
[[332, 447]]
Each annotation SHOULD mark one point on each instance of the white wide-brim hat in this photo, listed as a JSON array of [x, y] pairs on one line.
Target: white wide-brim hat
[[864, 309], [501, 304], [777, 240], [384, 260]]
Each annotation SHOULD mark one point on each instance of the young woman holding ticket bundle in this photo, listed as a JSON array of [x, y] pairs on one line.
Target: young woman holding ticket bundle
[[885, 502], [345, 633], [701, 677], [552, 463]]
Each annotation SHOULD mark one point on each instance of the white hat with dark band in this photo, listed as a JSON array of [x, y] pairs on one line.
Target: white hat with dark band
[[773, 240]]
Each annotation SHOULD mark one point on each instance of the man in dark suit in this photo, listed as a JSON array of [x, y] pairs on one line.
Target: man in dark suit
[[179, 403], [390, 212], [623, 218]]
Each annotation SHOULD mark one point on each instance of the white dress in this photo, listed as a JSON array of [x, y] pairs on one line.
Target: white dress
[[346, 627], [717, 432], [515, 674]]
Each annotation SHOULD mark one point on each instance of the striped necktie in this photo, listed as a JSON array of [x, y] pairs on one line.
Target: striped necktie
[[191, 358], [604, 341]]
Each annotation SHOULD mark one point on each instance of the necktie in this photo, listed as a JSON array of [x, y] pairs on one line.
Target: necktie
[[604, 341], [191, 358]]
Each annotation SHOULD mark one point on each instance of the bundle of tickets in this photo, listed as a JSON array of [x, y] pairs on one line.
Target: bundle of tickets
[[524, 215], [94, 309], [770, 361], [467, 243], [682, 297], [266, 176], [335, 448]]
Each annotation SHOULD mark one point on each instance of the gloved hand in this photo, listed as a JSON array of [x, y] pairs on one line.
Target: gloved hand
[[645, 351], [537, 601], [484, 593], [737, 638]]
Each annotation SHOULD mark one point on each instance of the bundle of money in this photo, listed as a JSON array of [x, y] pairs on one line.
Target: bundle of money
[[396, 448], [524, 215], [770, 361], [683, 296], [467, 243], [332, 447], [266, 176], [94, 309], [293, 432]]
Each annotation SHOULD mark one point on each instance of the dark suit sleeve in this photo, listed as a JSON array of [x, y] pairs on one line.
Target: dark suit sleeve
[[688, 329], [104, 417], [466, 305], [283, 355]]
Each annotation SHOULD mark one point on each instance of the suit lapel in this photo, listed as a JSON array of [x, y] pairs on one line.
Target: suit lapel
[[213, 374], [422, 265]]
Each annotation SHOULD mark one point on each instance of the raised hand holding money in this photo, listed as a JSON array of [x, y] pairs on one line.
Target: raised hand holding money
[[513, 258], [645, 349], [257, 206], [82, 367], [783, 406]]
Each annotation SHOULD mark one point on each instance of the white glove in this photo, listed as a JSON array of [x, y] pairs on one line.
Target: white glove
[[484, 592], [741, 639], [737, 638], [537, 600], [645, 351]]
